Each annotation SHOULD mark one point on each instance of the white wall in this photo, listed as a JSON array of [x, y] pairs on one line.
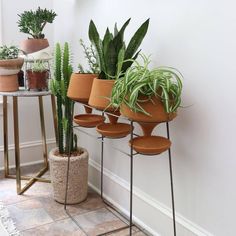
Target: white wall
[[30, 135], [198, 38]]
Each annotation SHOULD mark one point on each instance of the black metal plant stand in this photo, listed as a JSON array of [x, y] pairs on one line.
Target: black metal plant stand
[[129, 219]]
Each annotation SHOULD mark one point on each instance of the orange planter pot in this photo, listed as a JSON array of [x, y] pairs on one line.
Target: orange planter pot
[[101, 93], [80, 86], [155, 109], [9, 83], [33, 45]]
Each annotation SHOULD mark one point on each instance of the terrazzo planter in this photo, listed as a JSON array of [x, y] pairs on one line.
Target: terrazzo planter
[[78, 176]]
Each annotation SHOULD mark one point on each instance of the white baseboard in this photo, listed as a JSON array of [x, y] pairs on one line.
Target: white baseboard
[[181, 220], [28, 144]]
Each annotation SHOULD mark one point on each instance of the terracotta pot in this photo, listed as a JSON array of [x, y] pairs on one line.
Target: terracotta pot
[[100, 94], [80, 86], [78, 177], [33, 45], [9, 83], [37, 80], [11, 66], [156, 111]]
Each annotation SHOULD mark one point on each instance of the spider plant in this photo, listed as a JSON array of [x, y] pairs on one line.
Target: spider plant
[[140, 84]]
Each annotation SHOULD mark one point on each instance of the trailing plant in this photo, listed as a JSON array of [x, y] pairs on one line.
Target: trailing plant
[[33, 22], [39, 66], [114, 57], [10, 52], [67, 141], [140, 84], [92, 59]]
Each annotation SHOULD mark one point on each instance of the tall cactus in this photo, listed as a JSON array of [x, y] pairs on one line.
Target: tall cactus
[[67, 141]]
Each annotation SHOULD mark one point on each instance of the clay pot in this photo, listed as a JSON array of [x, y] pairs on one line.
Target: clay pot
[[80, 86], [100, 94], [78, 177], [155, 109], [11, 66], [9, 83], [37, 79], [33, 45]]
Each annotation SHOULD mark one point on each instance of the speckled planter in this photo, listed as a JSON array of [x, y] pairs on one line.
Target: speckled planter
[[78, 177]]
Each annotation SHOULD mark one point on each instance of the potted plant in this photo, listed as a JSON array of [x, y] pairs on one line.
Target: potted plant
[[114, 59], [148, 96], [67, 141], [37, 76], [33, 23], [81, 82], [10, 65]]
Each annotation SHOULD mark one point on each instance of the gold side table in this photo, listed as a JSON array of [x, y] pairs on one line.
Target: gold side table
[[18, 176]]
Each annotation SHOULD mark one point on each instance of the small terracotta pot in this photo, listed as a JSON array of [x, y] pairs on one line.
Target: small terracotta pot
[[11, 66], [37, 80], [9, 83], [101, 93], [80, 86], [33, 45], [155, 109]]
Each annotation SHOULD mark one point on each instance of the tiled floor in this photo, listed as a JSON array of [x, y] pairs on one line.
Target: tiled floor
[[36, 213]]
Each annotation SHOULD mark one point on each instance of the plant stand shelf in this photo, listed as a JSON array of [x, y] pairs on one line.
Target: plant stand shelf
[[131, 155], [18, 176]]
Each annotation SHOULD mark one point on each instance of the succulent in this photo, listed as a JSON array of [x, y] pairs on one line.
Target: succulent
[[10, 52], [67, 141], [113, 54], [33, 22], [39, 66]]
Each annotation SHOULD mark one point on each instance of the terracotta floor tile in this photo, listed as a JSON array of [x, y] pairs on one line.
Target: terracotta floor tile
[[124, 232], [29, 214], [99, 221], [60, 228]]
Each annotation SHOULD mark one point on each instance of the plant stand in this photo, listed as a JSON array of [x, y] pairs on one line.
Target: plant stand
[[18, 176], [131, 155]]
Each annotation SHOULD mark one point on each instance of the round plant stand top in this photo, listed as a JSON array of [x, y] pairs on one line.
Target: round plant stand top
[[25, 93]]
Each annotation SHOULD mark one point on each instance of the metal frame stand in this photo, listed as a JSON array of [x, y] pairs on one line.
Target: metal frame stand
[[18, 176], [131, 155]]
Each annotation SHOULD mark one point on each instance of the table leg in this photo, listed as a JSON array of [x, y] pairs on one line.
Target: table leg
[[5, 137], [17, 145], [54, 113], [43, 132]]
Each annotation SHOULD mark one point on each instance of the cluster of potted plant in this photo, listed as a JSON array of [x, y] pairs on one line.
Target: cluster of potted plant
[[10, 65], [127, 86], [113, 57]]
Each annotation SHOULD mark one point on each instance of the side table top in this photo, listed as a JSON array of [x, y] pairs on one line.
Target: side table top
[[26, 93]]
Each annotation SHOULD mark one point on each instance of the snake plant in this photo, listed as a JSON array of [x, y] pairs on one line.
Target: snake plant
[[67, 141], [112, 52], [140, 84]]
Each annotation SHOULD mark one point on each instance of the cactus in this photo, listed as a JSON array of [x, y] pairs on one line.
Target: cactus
[[67, 141]]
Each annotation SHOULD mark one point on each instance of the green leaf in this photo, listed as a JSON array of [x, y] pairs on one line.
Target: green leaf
[[136, 40]]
